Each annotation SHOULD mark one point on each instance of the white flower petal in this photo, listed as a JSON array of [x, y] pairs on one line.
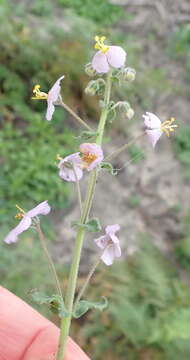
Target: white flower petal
[[100, 63], [154, 135], [50, 110], [23, 225], [108, 255], [42, 209], [116, 56], [151, 121], [102, 241]]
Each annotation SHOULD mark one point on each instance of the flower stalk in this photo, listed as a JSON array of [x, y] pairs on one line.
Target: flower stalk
[[70, 111], [49, 259], [69, 299]]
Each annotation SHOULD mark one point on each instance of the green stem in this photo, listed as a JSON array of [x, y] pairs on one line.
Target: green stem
[[69, 300], [82, 122], [50, 262], [105, 109]]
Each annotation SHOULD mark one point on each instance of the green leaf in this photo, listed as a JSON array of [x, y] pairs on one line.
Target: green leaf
[[93, 225], [54, 302], [83, 306], [108, 166], [87, 135]]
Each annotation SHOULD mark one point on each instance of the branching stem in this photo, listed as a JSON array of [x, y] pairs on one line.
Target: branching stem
[[69, 299]]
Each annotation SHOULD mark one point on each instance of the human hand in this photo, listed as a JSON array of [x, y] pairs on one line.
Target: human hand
[[26, 335]]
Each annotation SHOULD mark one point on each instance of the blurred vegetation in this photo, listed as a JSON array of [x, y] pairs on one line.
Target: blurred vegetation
[[182, 248], [182, 148], [149, 310], [179, 46]]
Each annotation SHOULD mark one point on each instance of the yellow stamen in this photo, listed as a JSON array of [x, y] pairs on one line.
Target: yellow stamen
[[39, 95], [100, 44], [167, 126], [20, 214], [87, 159], [20, 209], [58, 157]]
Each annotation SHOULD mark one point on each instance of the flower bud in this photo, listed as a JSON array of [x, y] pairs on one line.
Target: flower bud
[[129, 74], [130, 113], [89, 70], [91, 88]]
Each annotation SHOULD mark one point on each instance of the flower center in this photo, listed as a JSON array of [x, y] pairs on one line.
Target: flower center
[[39, 95], [88, 159], [20, 214], [167, 126], [100, 44]]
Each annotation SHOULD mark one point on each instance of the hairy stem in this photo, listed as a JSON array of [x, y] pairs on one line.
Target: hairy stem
[[69, 300]]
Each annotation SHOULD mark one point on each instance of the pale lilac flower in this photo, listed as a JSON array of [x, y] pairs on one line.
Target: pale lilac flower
[[91, 155], [110, 244], [42, 209], [52, 97], [70, 168], [107, 56], [155, 128]]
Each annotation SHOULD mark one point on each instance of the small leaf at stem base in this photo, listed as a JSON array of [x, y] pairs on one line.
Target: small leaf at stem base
[[83, 306], [54, 302], [92, 225]]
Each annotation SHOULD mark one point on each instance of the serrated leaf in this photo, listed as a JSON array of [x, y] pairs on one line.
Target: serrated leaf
[[83, 306], [108, 166], [54, 302], [93, 225]]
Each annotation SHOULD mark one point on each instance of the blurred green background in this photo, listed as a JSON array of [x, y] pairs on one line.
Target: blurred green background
[[149, 313]]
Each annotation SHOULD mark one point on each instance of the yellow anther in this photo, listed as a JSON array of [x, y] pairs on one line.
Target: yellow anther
[[20, 214], [39, 95], [167, 126], [100, 44], [58, 157], [87, 159]]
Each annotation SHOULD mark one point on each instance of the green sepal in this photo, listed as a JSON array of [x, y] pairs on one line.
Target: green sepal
[[108, 166], [83, 306], [92, 225], [54, 302]]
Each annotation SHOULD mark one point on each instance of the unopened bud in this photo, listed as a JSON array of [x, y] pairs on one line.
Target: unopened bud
[[89, 70], [129, 74], [130, 113], [91, 88]]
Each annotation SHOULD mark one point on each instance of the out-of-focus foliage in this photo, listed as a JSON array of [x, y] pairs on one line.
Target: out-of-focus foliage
[[29, 143], [149, 311], [182, 249], [28, 170], [182, 148], [179, 46], [101, 12]]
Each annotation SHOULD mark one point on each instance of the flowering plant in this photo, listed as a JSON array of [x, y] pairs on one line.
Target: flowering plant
[[89, 160]]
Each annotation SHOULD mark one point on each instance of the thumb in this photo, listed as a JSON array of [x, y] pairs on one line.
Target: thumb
[[26, 335]]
